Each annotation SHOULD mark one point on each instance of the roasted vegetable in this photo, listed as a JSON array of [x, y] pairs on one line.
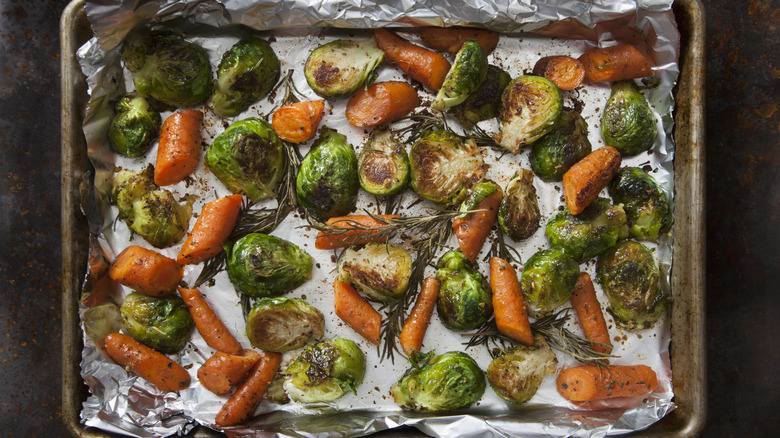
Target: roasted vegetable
[[282, 324], [339, 68], [552, 155], [383, 165], [248, 158], [325, 371], [485, 102], [439, 383], [548, 280], [134, 127], [261, 265], [465, 301], [162, 323], [518, 215], [379, 270], [246, 73], [530, 108], [467, 73], [648, 208], [629, 275], [100, 321], [518, 373], [628, 123], [589, 233]]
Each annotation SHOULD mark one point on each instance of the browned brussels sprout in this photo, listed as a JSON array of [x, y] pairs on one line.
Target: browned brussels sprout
[[518, 214], [589, 233], [339, 68], [530, 108], [325, 371], [282, 324], [552, 155], [247, 72], [467, 73], [465, 301], [518, 373], [548, 280], [648, 208], [381, 271], [134, 127], [628, 123], [162, 323], [485, 102], [383, 165]]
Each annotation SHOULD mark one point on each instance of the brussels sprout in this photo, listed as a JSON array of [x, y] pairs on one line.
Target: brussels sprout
[[484, 103], [548, 280], [162, 323], [100, 321], [589, 233], [275, 392], [648, 208], [628, 123], [518, 373], [477, 194], [518, 214], [552, 155], [465, 301], [246, 73], [168, 68], [339, 68], [444, 166], [282, 324], [467, 73], [442, 383], [629, 276], [134, 126], [248, 158], [260, 265], [379, 270], [327, 183], [383, 165], [325, 371], [530, 108]]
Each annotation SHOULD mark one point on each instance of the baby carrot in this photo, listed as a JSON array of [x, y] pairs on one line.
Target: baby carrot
[[222, 371], [587, 177], [424, 66], [417, 323], [566, 72], [589, 314], [146, 271], [243, 402], [356, 311], [298, 122], [207, 322], [150, 365], [450, 39], [381, 103], [472, 231], [211, 230], [508, 302], [593, 382], [357, 231], [615, 63], [179, 147]]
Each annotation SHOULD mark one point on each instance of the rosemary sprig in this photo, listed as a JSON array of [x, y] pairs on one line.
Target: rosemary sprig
[[422, 123], [499, 248]]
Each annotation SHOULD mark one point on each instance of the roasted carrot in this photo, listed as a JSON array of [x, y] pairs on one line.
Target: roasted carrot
[[587, 177], [508, 302], [357, 231], [213, 330], [472, 231], [424, 66], [566, 72], [298, 122], [211, 230], [150, 365], [593, 382], [381, 103], [243, 402], [590, 315], [416, 324], [356, 312], [450, 39], [222, 371], [615, 63], [146, 271], [179, 147]]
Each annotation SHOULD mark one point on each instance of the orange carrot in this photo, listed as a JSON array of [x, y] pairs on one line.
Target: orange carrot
[[423, 65], [179, 147], [146, 271], [615, 63], [417, 323], [450, 39], [298, 122], [149, 364], [508, 302], [207, 322], [360, 225], [593, 382], [381, 103], [587, 177], [222, 371], [472, 231], [589, 314], [356, 312], [211, 230], [243, 402], [566, 72]]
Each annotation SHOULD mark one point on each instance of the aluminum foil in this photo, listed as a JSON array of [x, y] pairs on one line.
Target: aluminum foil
[[124, 404]]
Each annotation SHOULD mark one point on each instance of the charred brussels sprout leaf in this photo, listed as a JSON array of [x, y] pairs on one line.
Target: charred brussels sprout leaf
[[339, 68], [260, 265], [628, 124], [162, 323], [100, 321], [282, 324], [477, 194], [325, 371], [465, 301], [518, 214], [530, 108], [467, 73], [548, 280], [246, 73], [518, 373], [383, 165], [485, 102], [248, 158], [442, 383], [589, 233], [648, 208], [381, 271], [134, 127], [552, 155]]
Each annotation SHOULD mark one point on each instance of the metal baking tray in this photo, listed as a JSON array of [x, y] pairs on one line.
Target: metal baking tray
[[688, 346]]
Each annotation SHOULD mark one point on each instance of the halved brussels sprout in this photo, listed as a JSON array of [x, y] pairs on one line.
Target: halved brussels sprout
[[379, 270], [275, 392], [518, 214], [325, 371], [518, 373], [530, 108], [589, 233], [442, 383], [629, 275], [246, 73], [628, 123], [383, 165], [134, 127], [162, 323], [248, 158], [282, 324], [648, 208], [485, 102], [327, 183], [548, 280], [467, 73], [552, 155], [260, 265], [465, 300], [444, 166], [100, 321], [339, 68]]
